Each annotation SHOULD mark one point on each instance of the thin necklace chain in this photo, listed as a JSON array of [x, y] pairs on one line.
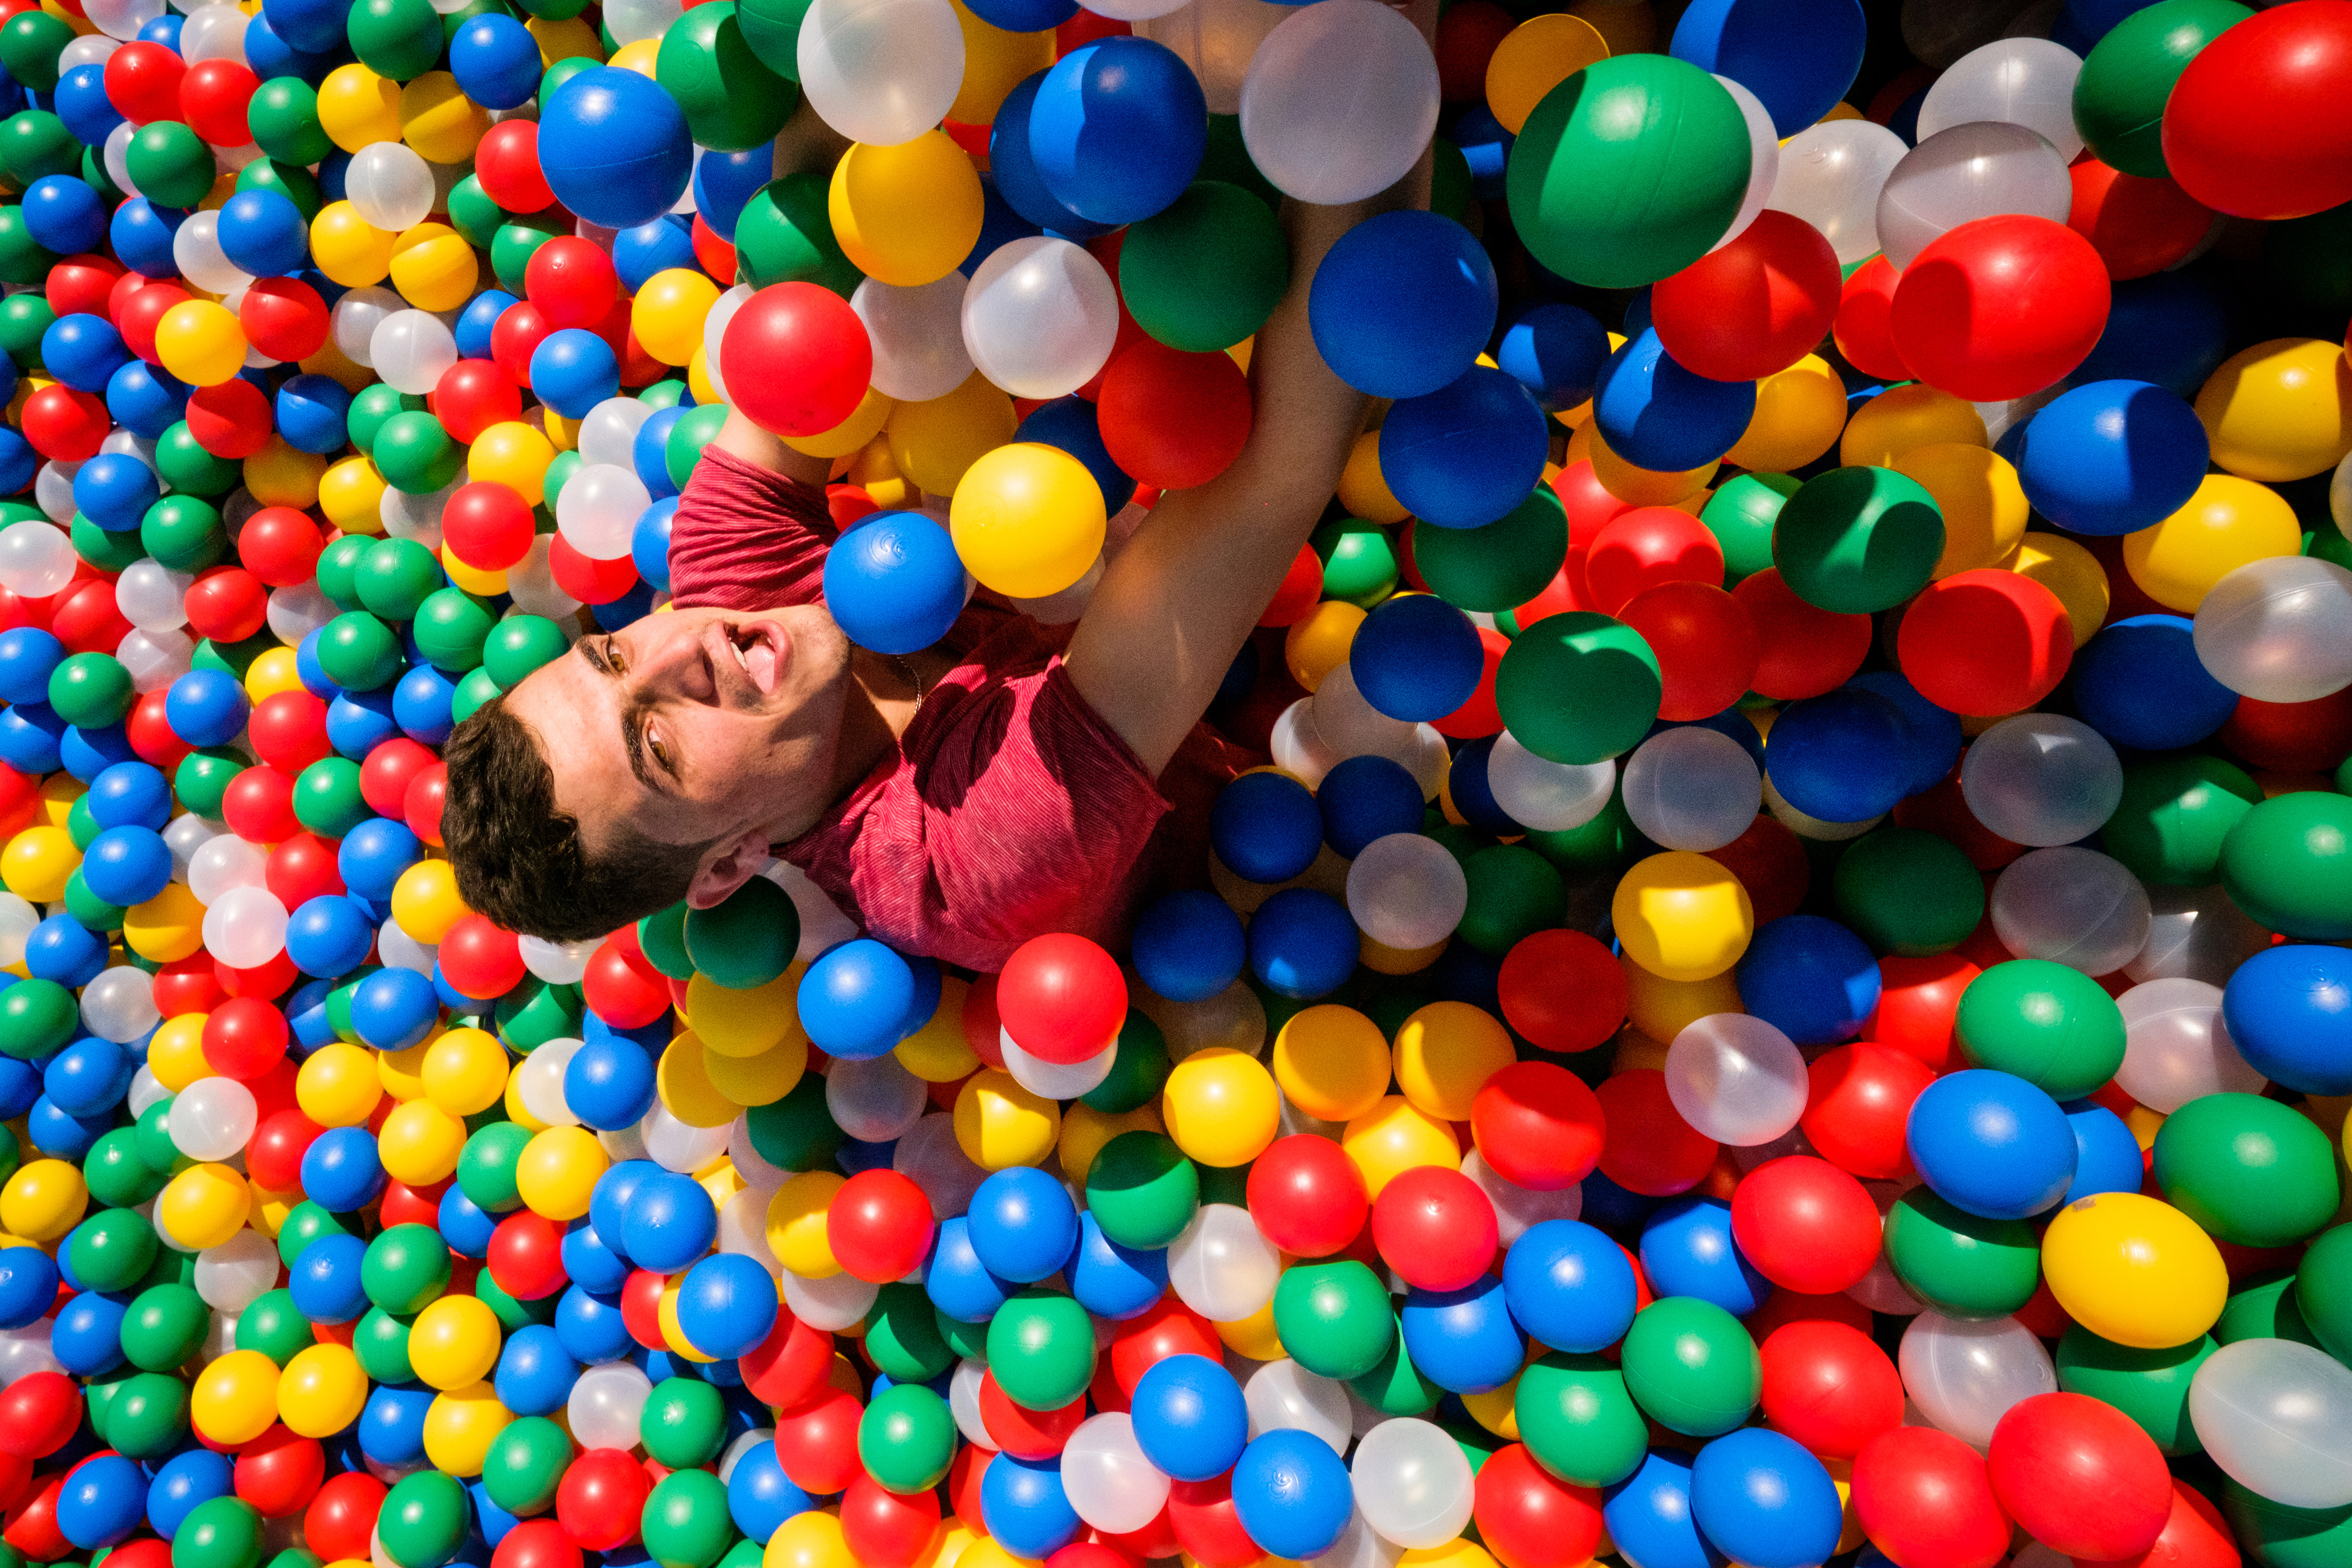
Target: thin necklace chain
[[914, 680]]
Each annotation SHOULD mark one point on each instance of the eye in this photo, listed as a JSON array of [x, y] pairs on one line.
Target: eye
[[613, 657], [659, 751]]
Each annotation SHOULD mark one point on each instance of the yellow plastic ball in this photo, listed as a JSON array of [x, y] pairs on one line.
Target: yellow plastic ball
[[465, 1071], [433, 268], [425, 901], [322, 1391], [994, 63], [1459, 1552], [472, 579], [1085, 1130], [439, 121], [686, 1089], [1799, 412], [937, 1052], [2229, 522], [1984, 506], [569, 38], [454, 1342], [351, 492], [1662, 1008], [277, 670], [517, 1113], [42, 1200], [1027, 520], [37, 863], [235, 1398], [673, 1334], [564, 434], [745, 1023], [698, 378], [762, 1079], [1682, 916], [166, 928], [639, 56], [1633, 485], [357, 108], [200, 342], [947, 1547], [176, 1053], [1254, 1336], [1331, 1061], [419, 1142], [514, 455], [934, 443], [813, 1539], [2280, 410], [1363, 489], [2134, 1270], [339, 1085], [59, 793], [277, 474], [558, 1169], [2071, 572], [1317, 643], [668, 312], [332, 362], [1221, 1107], [907, 214], [998, 1124], [401, 1073], [1446, 1052], [460, 1425], [348, 248], [796, 1224], [864, 422], [1395, 1137], [1534, 57], [1906, 419], [202, 1206]]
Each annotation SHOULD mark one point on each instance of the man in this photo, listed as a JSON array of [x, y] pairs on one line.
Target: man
[[1011, 781]]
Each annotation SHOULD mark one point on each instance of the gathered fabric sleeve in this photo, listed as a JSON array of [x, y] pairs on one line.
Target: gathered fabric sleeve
[[746, 537]]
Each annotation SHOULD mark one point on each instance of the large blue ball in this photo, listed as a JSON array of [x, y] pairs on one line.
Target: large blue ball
[[1648, 1515], [1303, 944], [114, 490], [2139, 681], [853, 1000], [1798, 60], [1416, 657], [83, 350], [1024, 1224], [1808, 977], [103, 1501], [262, 233], [1189, 944], [1569, 1285], [1991, 1143], [27, 655], [760, 1496], [609, 1084], [1687, 1249], [1464, 1341], [1556, 352], [725, 182], [670, 1223], [1931, 735], [2289, 1009], [590, 1259], [895, 582], [2172, 330], [665, 243], [393, 1009], [28, 1286], [1072, 425], [392, 1424], [1291, 1494], [467, 1228], [726, 1304], [573, 370], [1013, 174], [1761, 1500], [147, 400], [1656, 415], [2106, 1155], [592, 1327], [182, 1482], [1024, 1508], [325, 1279], [1464, 455], [1190, 1417], [1403, 304], [206, 708], [140, 232], [88, 1077], [127, 865], [1264, 826], [534, 1371], [958, 1283], [340, 1170], [614, 147], [1112, 1281], [496, 61], [1119, 128], [1844, 756], [130, 794], [2112, 456], [1367, 798], [314, 27], [81, 103]]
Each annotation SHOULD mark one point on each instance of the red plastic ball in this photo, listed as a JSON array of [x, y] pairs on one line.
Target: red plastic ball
[[281, 546], [387, 770], [289, 730], [33, 1520], [712, 254], [1782, 1308], [797, 358], [1208, 1527], [1467, 35], [964, 1474], [2081, 1476], [212, 98], [64, 425], [1094, 1553], [1645, 547], [2195, 1536], [144, 1553], [1924, 1499], [85, 618], [1858, 1105], [20, 800], [1026, 1434], [1770, 861], [1563, 990], [149, 730], [599, 1499], [1168, 1328], [487, 525], [1865, 331], [2292, 737], [1651, 1148], [263, 983], [39, 1414], [1829, 1386], [514, 336], [420, 808], [231, 420], [882, 1528], [620, 993], [125, 286], [279, 1473], [1802, 649], [258, 805], [535, 1543], [2138, 225], [1435, 1228], [284, 318], [2259, 126], [1805, 1224], [572, 282], [228, 604], [404, 1204], [1478, 717], [1755, 305], [879, 1226], [526, 1256], [1985, 642], [135, 317], [342, 1517], [1536, 1125], [188, 985], [274, 1158], [472, 395], [585, 578], [1307, 1196], [2000, 307], [1529, 1517], [481, 960], [245, 1039], [83, 285], [816, 1443], [1302, 588], [506, 160], [1062, 998], [1171, 419], [142, 83], [1706, 647], [302, 869], [788, 1367]]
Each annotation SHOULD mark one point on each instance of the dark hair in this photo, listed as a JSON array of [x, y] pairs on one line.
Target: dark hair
[[525, 864]]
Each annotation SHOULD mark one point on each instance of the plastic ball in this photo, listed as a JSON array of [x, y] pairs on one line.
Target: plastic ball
[[613, 147], [1116, 130], [1321, 145], [1991, 1143], [1393, 340]]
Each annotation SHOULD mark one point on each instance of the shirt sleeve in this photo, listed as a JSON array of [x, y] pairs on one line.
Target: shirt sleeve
[[747, 539]]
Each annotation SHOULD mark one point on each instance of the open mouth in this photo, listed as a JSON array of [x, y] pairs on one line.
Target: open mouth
[[759, 650]]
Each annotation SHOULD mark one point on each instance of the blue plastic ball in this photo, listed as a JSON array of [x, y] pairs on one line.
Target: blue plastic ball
[[1072, 425], [1119, 128], [423, 703], [1190, 1418], [649, 542], [573, 370], [28, 1286], [1023, 1506], [1844, 756], [496, 61], [183, 1480], [760, 1496], [373, 855], [591, 1327], [2172, 330], [895, 582], [2112, 458], [81, 350], [64, 215], [206, 707], [1025, 15], [1464, 455], [18, 461], [465, 1226], [88, 1077], [614, 147], [1303, 944], [475, 321], [1656, 415], [141, 234], [325, 1279], [535, 1373], [64, 950], [30, 734], [1403, 304], [1416, 657], [1931, 735], [314, 27], [1991, 1143], [2139, 681], [1291, 1494], [1556, 352], [127, 865], [657, 247], [1464, 1341], [1569, 1285], [86, 753], [27, 655], [855, 999], [1014, 173], [1762, 1501], [1367, 798], [130, 794], [1264, 826], [1000, 223], [1024, 1224], [609, 1084], [726, 1304], [393, 1009], [147, 400], [342, 1171], [81, 103], [1687, 1251], [103, 1501], [270, 56], [1808, 977], [1797, 59], [2289, 1011], [958, 1283], [1189, 944], [392, 1424], [649, 456], [262, 232], [329, 936], [670, 1223], [1114, 1283], [725, 182], [1648, 1515], [590, 1261], [2106, 1155]]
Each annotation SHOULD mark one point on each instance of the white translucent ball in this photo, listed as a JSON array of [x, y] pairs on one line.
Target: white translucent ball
[[557, 962], [539, 1083], [1763, 159], [918, 337], [37, 559], [597, 512], [675, 1145], [1406, 891], [2195, 934], [875, 1101], [929, 1156], [881, 71], [1284, 1396], [1338, 101], [238, 1272], [830, 1304], [634, 21], [2276, 1415], [390, 186], [121, 19], [1983, 169], [2022, 81], [196, 251], [1692, 788], [411, 350], [531, 581], [1413, 1483], [212, 1119], [1348, 723], [1545, 796], [2176, 1047], [152, 597], [120, 1005], [352, 321], [214, 32], [1518, 1209], [295, 612], [1964, 1376], [609, 433], [1831, 175], [1221, 1266], [246, 928], [1039, 315], [1108, 1482], [156, 659], [1735, 1079], [225, 863], [2279, 629], [607, 1404], [2041, 779], [2072, 906], [1055, 1081]]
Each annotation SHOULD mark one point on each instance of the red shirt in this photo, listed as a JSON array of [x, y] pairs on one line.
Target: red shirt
[[1009, 808]]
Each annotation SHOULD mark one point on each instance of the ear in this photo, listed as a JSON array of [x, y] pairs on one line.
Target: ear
[[733, 864]]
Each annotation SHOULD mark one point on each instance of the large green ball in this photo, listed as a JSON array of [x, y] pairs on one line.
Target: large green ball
[[166, 1325], [1908, 892], [1857, 541], [416, 454], [111, 1250], [1499, 566], [148, 1417], [2149, 1386], [2119, 96], [2267, 1310], [1204, 272], [2247, 1169], [1041, 1349], [30, 42], [380, 1342], [749, 939], [450, 626], [906, 1438], [170, 164], [1142, 1191], [686, 1522], [902, 1335], [405, 1267], [327, 799], [773, 30], [305, 1222], [518, 238], [1360, 558], [337, 574], [183, 532], [1138, 1073], [396, 577], [526, 1464], [2278, 1536], [181, 462], [1740, 514], [2288, 863], [91, 691], [395, 38], [223, 1533], [283, 116], [695, 430], [33, 143], [1628, 171], [359, 652], [2055, 1028], [23, 258], [784, 235], [1691, 1367], [1578, 688], [1396, 1386], [1334, 1318], [2174, 815], [796, 1132], [1961, 1263], [1514, 893], [2323, 1291], [518, 644], [487, 1164], [683, 1423], [731, 100], [1578, 1420], [271, 1324], [36, 1019], [423, 1521]]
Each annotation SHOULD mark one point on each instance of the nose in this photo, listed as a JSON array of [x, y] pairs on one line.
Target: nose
[[673, 663]]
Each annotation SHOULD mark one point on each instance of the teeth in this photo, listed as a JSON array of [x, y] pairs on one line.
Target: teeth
[[737, 648]]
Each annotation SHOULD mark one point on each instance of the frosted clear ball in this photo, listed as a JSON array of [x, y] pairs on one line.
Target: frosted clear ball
[[196, 251], [1519, 1208], [18, 920], [2022, 81], [633, 21], [186, 834], [830, 1304], [1338, 101], [246, 928], [295, 612], [121, 19], [1763, 159], [1360, 1545], [881, 71], [1218, 38], [539, 1083], [410, 349], [1220, 1266], [225, 863], [2279, 630], [152, 597], [37, 559], [875, 1101], [1039, 316], [390, 186], [1735, 1079], [1547, 796], [2176, 1047], [1055, 1081], [714, 328], [238, 1272], [156, 659], [557, 962], [1284, 1396], [1297, 748], [2195, 934], [2041, 779], [1109, 1483], [918, 337], [675, 1146], [1956, 176], [1413, 1483], [212, 1119], [1964, 1376], [609, 433], [963, 1400], [213, 32], [744, 1227], [1692, 788], [417, 516], [929, 1156], [599, 509], [1831, 175], [2276, 1415], [398, 950], [606, 1405], [120, 1005], [2072, 906], [531, 581], [1406, 891], [352, 321], [1348, 723], [52, 491]]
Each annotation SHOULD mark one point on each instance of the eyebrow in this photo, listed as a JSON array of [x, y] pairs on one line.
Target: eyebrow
[[632, 735]]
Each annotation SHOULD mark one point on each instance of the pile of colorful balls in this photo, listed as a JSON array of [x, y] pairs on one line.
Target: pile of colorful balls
[[1783, 997]]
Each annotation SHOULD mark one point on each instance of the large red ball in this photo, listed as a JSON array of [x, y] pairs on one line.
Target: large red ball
[[64, 425], [1171, 419], [599, 1499], [879, 1226], [1307, 1196], [284, 318], [245, 1038], [472, 395], [258, 805], [535, 1543], [1858, 1104], [1166, 1328], [520, 328], [212, 98], [1026, 1434], [1529, 1517], [1755, 305], [796, 358], [1770, 861], [135, 317], [1651, 1148], [817, 1443], [143, 81], [1805, 1224], [1923, 1497], [481, 960], [281, 546], [85, 618], [2000, 307], [1918, 1005], [1208, 1527], [621, 993], [1705, 644], [526, 1256], [789, 1366], [1864, 333], [1062, 998], [1538, 1126], [289, 730], [585, 578], [2195, 1536], [572, 282], [1645, 547], [231, 420], [83, 285], [1435, 1228], [2260, 123], [274, 1158], [388, 769], [342, 1517], [507, 163], [39, 1414], [487, 525], [883, 1529], [2080, 1476], [228, 604], [279, 1473], [1563, 990], [2138, 225], [1802, 649], [301, 868], [1829, 1386], [1985, 642]]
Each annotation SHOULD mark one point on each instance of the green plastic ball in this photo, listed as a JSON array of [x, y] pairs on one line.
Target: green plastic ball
[[906, 1439], [513, 1315], [661, 937], [1691, 1367], [1500, 566], [1857, 541], [695, 429], [183, 464], [395, 38], [117, 1175], [359, 652], [2323, 1291], [202, 779], [1360, 560], [396, 577], [487, 1166], [732, 100], [1961, 1263], [170, 164], [23, 318], [371, 408], [272, 1325], [111, 1250], [424, 1519], [2266, 1310], [327, 798], [1578, 1420], [305, 1222], [405, 1267], [148, 1416], [416, 454], [686, 1521], [2149, 1386], [153, 1135], [796, 1132], [526, 1464], [36, 1019], [165, 1326], [1396, 1386], [2288, 864], [222, 1532], [30, 42], [2174, 815], [87, 908], [1514, 893], [1334, 1318], [902, 1335], [784, 235], [683, 1423], [2278, 1536], [23, 260], [34, 143], [559, 474], [380, 1342], [2248, 1170], [1142, 1191], [1740, 514], [183, 532], [2055, 1028], [968, 1340], [1204, 272], [283, 115], [451, 626], [535, 1012], [337, 572], [2119, 96], [772, 29], [1908, 892], [518, 644], [1578, 688], [749, 939], [1628, 171], [473, 214], [289, 179], [475, 689], [1041, 1349], [91, 691], [1138, 1073], [106, 552]]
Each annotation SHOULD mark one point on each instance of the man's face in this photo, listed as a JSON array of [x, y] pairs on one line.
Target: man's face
[[693, 725]]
